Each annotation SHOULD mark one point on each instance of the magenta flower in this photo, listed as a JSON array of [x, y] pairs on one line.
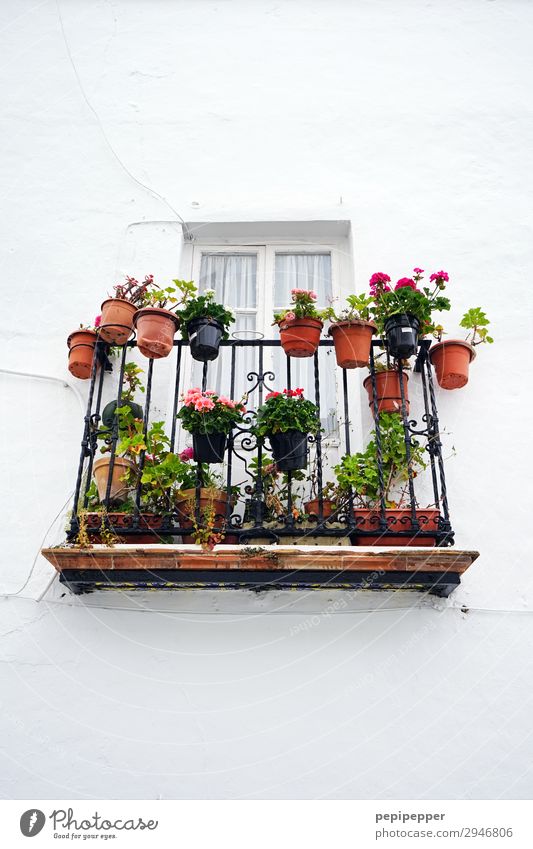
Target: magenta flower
[[379, 279], [187, 454], [418, 270], [439, 277], [97, 321], [405, 281]]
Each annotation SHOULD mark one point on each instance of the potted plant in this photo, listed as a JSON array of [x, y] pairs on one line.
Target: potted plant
[[156, 324], [300, 325], [210, 498], [359, 473], [119, 309], [287, 419], [331, 500], [210, 418], [271, 505], [132, 383], [351, 331], [451, 358], [388, 392], [204, 322], [81, 344], [405, 313]]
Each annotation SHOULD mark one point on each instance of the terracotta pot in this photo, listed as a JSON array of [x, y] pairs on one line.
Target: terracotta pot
[[116, 323], [119, 490], [81, 346], [300, 337], [451, 360], [388, 392], [185, 503], [352, 340], [155, 331], [328, 507], [147, 521], [368, 520]]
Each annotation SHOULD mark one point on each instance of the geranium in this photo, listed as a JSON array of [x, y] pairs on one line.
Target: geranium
[[97, 321], [405, 281], [440, 278], [378, 279], [272, 395], [207, 412], [287, 410], [302, 306], [187, 454]]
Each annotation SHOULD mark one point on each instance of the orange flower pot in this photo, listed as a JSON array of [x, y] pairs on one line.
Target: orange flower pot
[[119, 489], [388, 392], [368, 520], [149, 522], [451, 360], [209, 499], [81, 346], [328, 507], [156, 329], [352, 340], [116, 323], [300, 337]]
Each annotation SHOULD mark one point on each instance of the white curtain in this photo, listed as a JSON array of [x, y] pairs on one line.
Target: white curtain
[[234, 279], [311, 272]]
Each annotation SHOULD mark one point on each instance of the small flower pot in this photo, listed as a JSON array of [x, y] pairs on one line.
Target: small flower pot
[[300, 337], [289, 450], [451, 360], [108, 413], [352, 340], [204, 338], [328, 507], [399, 520], [209, 447], [116, 322], [81, 345], [156, 329], [389, 396], [149, 526], [119, 489], [401, 332], [210, 499]]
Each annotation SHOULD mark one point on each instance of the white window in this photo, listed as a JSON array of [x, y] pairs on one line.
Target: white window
[[254, 281]]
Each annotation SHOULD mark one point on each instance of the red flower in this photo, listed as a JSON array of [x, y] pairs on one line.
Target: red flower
[[272, 395], [405, 281]]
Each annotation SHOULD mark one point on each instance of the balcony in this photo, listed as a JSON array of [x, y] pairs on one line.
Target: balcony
[[263, 529]]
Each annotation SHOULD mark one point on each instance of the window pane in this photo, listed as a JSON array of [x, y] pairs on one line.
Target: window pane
[[232, 276], [302, 271]]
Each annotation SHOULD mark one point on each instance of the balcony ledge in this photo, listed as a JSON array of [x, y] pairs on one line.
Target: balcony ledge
[[434, 570]]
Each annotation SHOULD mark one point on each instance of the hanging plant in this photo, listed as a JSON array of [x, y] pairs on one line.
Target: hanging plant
[[451, 358], [351, 330], [287, 419], [300, 325], [204, 323], [210, 418]]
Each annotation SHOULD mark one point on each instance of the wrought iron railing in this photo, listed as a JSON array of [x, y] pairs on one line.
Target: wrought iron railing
[[250, 520]]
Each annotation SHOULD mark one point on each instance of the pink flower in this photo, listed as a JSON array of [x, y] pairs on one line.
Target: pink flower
[[312, 295], [405, 281], [227, 402], [418, 270], [440, 277], [378, 279], [272, 395], [97, 321], [289, 316], [187, 454], [149, 457], [203, 405]]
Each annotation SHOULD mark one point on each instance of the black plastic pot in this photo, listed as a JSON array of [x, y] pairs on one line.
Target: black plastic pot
[[401, 331], [289, 450], [209, 447], [108, 413], [204, 338]]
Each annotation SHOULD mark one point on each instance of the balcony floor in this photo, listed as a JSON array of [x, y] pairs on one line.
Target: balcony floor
[[433, 570]]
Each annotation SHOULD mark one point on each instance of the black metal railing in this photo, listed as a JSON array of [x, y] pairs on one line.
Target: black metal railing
[[249, 519]]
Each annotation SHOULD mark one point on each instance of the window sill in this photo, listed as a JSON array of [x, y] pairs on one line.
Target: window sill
[[432, 570]]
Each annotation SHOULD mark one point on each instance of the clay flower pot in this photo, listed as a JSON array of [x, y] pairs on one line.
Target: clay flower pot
[[155, 331], [400, 520], [116, 323], [388, 392], [149, 525], [300, 337], [119, 489], [451, 360], [81, 346], [215, 499], [312, 507], [352, 340]]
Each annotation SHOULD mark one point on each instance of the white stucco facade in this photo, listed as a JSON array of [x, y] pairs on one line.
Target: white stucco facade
[[412, 122]]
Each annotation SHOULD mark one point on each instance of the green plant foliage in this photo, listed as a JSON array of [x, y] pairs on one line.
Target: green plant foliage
[[476, 322], [203, 306], [287, 410], [360, 471], [207, 412], [358, 309]]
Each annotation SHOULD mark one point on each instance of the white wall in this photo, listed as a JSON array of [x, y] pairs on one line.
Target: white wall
[[411, 120]]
